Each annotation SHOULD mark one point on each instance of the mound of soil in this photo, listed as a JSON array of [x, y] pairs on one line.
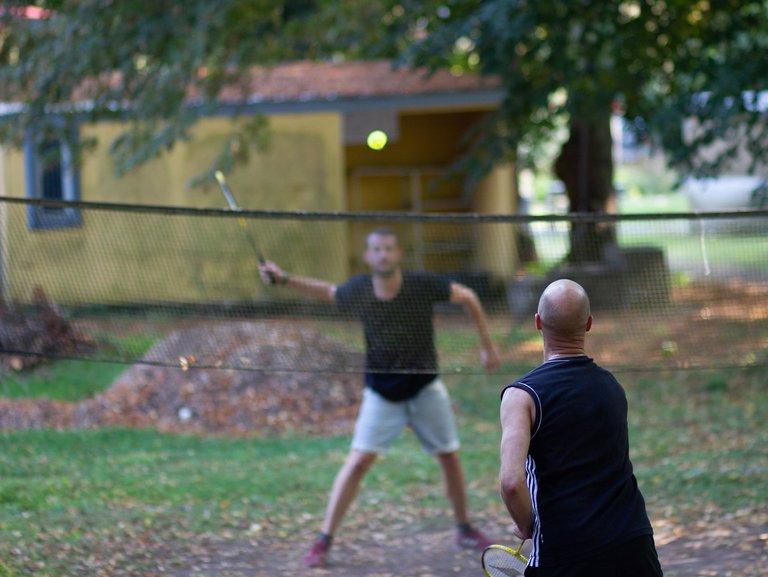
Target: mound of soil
[[218, 400]]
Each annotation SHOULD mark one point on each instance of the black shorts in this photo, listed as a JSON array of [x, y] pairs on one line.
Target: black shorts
[[635, 558]]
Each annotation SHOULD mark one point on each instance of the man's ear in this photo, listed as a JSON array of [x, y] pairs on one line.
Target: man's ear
[[589, 323], [537, 321]]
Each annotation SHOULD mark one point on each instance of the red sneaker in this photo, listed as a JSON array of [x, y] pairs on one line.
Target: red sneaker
[[316, 557], [472, 538]]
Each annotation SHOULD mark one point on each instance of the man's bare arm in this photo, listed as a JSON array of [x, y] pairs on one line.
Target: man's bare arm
[[517, 417], [312, 287], [466, 297]]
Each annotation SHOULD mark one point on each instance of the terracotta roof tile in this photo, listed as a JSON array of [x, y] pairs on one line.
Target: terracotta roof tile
[[324, 82], [313, 81]]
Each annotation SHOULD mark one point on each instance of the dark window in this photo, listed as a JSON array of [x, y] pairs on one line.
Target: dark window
[[51, 174]]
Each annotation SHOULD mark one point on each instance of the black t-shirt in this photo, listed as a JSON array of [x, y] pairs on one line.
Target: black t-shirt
[[401, 357], [584, 492]]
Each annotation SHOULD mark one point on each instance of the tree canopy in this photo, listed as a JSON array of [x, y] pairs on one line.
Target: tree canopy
[[661, 62], [138, 61]]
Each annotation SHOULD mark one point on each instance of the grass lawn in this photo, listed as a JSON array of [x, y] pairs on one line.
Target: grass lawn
[[698, 445], [67, 380], [72, 380]]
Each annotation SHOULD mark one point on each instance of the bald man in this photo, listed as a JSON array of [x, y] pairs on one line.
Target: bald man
[[565, 474]]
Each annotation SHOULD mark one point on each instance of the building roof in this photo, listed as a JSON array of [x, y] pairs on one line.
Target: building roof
[[355, 84], [310, 85], [302, 81]]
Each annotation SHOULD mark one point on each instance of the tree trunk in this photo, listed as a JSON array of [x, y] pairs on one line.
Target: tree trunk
[[585, 165]]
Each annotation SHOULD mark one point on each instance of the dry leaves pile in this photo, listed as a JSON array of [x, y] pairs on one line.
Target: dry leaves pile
[[217, 400], [36, 332]]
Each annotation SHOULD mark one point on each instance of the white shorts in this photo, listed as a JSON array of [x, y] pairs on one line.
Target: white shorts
[[429, 414]]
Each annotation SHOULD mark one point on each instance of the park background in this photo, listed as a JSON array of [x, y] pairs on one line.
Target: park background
[[163, 412]]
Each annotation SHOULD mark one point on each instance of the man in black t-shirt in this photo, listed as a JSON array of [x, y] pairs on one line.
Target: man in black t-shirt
[[400, 350], [565, 475], [402, 384]]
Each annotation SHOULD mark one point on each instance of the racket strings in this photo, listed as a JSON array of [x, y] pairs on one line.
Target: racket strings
[[503, 563]]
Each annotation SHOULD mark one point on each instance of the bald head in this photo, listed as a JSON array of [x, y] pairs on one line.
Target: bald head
[[564, 310]]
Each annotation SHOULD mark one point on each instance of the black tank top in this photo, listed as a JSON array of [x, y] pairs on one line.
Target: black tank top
[[584, 492]]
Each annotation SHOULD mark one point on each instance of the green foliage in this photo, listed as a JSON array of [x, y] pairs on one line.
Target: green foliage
[[161, 66], [647, 178], [576, 58]]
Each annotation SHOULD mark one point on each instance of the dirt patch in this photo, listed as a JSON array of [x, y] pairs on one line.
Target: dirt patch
[[714, 547], [186, 399], [707, 549]]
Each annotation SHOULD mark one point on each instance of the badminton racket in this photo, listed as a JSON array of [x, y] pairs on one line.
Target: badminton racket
[[502, 561], [233, 206]]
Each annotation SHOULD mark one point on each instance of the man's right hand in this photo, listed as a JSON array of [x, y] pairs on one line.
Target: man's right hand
[[315, 288], [270, 273]]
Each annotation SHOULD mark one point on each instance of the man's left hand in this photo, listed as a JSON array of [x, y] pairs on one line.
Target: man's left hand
[[490, 358]]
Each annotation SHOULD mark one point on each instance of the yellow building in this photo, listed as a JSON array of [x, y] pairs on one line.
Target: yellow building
[[317, 159]]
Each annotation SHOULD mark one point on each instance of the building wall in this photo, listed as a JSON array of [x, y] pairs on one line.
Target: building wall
[[118, 257]]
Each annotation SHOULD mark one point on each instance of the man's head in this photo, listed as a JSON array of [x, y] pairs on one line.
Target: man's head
[[382, 253], [564, 311]]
